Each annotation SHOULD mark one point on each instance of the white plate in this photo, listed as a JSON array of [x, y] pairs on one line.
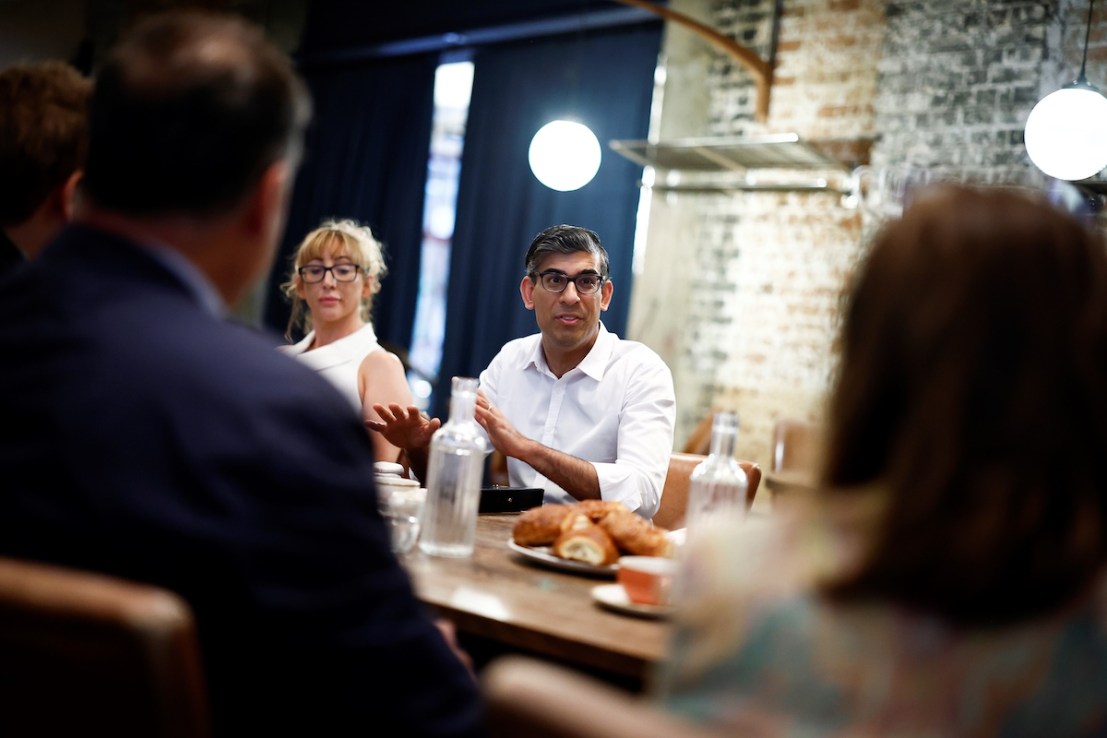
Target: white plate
[[614, 597], [543, 555]]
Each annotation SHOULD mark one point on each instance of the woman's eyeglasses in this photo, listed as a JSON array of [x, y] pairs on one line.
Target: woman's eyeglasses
[[314, 273]]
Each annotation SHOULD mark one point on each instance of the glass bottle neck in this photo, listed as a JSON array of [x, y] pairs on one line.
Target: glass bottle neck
[[463, 407], [724, 435], [463, 400]]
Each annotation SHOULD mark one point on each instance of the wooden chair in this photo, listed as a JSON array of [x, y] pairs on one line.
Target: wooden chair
[[527, 697], [796, 449], [497, 469], [795, 445], [83, 654], [699, 440], [674, 495]]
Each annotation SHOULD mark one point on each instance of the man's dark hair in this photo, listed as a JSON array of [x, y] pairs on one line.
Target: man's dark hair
[[565, 239], [188, 111], [43, 134]]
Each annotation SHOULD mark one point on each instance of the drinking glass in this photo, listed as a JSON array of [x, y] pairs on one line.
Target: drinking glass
[[403, 508]]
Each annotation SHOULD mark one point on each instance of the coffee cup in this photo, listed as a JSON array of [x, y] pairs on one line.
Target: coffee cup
[[647, 580]]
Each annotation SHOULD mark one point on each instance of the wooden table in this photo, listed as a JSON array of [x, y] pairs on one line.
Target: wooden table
[[498, 595]]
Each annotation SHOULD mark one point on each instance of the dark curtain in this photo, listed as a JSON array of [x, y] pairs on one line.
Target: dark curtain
[[604, 79], [366, 159]]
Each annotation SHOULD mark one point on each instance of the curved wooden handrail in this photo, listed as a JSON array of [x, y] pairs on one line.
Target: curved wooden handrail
[[761, 70]]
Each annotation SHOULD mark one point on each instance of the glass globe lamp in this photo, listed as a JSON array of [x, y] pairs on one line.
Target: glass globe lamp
[[564, 155], [1066, 132]]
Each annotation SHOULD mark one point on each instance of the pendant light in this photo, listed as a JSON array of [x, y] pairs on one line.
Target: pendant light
[[1066, 132], [564, 155]]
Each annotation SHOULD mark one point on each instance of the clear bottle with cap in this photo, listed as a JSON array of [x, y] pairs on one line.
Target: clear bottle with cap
[[718, 484], [454, 470]]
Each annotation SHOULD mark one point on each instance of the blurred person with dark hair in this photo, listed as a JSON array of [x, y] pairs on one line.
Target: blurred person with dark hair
[[948, 576], [43, 139], [147, 437]]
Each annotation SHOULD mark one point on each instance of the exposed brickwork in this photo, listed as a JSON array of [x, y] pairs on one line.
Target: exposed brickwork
[[741, 292], [771, 265], [957, 80]]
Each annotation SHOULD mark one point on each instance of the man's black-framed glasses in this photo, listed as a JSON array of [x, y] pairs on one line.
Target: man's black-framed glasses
[[586, 284], [313, 273]]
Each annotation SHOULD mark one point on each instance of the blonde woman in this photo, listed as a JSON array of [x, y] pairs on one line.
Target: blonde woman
[[335, 273]]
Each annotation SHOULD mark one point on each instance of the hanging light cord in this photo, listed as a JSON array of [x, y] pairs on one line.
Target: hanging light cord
[[1087, 36]]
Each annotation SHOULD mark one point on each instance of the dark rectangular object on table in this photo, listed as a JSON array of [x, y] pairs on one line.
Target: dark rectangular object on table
[[509, 499]]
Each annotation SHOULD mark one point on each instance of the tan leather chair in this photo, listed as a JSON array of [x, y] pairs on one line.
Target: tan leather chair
[[534, 699], [497, 469], [796, 450], [83, 654], [674, 495], [795, 446], [699, 440]]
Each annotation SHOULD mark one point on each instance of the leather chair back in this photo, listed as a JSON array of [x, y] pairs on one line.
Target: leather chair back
[[85, 654], [795, 446], [674, 495], [531, 698]]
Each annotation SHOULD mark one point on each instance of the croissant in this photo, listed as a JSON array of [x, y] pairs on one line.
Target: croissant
[[588, 544], [635, 536], [540, 526], [597, 510]]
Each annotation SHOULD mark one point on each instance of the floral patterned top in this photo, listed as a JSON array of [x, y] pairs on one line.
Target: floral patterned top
[[756, 650]]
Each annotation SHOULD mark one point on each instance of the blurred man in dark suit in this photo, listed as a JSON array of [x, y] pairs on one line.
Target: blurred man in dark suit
[[43, 138], [146, 437]]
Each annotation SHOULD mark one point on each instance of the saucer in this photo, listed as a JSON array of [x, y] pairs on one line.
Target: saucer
[[614, 597], [390, 481], [387, 468]]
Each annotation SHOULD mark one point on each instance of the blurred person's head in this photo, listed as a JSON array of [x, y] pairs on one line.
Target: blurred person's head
[[321, 294], [43, 141], [972, 397], [197, 119]]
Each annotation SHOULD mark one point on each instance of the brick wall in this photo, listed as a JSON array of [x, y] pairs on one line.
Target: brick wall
[[740, 292], [765, 268]]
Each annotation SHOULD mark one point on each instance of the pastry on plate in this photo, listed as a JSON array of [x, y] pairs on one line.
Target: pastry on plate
[[540, 526], [590, 545], [636, 536], [597, 510]]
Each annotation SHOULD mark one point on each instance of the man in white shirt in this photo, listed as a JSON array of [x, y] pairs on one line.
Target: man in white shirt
[[577, 411]]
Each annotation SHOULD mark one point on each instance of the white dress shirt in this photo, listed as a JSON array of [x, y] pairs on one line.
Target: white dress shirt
[[616, 409]]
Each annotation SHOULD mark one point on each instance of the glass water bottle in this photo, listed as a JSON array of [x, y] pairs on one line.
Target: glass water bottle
[[454, 472], [718, 484]]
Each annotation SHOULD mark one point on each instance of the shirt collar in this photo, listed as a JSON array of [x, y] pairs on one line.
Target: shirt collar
[[594, 364]]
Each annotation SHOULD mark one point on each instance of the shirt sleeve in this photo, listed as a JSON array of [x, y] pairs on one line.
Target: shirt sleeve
[[645, 440]]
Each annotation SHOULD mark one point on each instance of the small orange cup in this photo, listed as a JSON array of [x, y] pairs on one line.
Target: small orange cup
[[646, 579]]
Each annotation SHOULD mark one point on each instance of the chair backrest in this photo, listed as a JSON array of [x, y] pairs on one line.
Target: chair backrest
[[87, 654], [527, 697], [674, 495], [795, 445], [497, 469], [699, 440]]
